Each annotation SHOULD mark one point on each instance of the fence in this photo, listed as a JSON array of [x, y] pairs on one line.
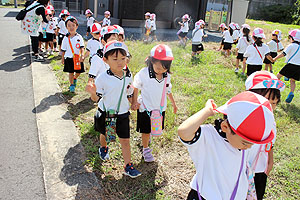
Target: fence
[[215, 18]]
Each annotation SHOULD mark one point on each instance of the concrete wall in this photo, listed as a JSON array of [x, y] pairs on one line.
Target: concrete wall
[[239, 11]]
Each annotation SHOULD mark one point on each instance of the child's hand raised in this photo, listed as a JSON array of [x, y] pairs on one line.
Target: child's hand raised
[[135, 106], [211, 107], [91, 88]]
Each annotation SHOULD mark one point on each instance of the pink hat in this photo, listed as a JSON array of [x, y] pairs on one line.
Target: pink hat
[[246, 26], [295, 34], [95, 28], [201, 22], [197, 25], [65, 12], [50, 7], [186, 16], [162, 52], [108, 29], [48, 12], [259, 33], [232, 26], [237, 26], [107, 13], [147, 14], [152, 16], [278, 33], [223, 25], [263, 80], [250, 116], [88, 11], [119, 28], [115, 45]]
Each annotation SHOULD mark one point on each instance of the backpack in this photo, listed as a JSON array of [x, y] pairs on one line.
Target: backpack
[[21, 15]]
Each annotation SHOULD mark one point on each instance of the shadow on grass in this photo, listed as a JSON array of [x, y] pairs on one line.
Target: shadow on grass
[[79, 108], [292, 110]]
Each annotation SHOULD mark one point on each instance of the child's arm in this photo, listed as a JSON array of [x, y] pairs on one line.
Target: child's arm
[[279, 56], [270, 162], [135, 105], [81, 54], [187, 130], [270, 58], [173, 102], [91, 88], [87, 54], [63, 58]]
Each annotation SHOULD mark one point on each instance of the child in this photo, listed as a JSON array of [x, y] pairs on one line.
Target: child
[[153, 26], [223, 28], [261, 156], [61, 28], [151, 80], [94, 44], [121, 35], [228, 40], [241, 47], [292, 69], [113, 88], [55, 20], [274, 46], [182, 33], [218, 152], [90, 20], [147, 25], [256, 53], [106, 20], [236, 33], [72, 45], [50, 32], [197, 35]]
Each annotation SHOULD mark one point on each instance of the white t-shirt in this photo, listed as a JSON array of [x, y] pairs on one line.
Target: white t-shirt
[[55, 20], [93, 45], [185, 27], [62, 27], [151, 89], [197, 36], [109, 87], [290, 51], [153, 25], [77, 43], [51, 27], [98, 66], [106, 21], [90, 21], [42, 27], [242, 44], [236, 34], [147, 23], [274, 46], [217, 166], [227, 37], [253, 55]]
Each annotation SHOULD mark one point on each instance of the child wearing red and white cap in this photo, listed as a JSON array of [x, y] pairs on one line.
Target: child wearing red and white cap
[[184, 29], [147, 26], [275, 46], [257, 52], [153, 26], [50, 32], [197, 37], [113, 92], [61, 27], [243, 43], [261, 156], [94, 44], [218, 152], [223, 28], [106, 19], [90, 20], [153, 80]]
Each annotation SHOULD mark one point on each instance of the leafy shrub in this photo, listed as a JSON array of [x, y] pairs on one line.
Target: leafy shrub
[[277, 13]]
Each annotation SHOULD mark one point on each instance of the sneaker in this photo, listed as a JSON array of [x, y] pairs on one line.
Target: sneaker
[[286, 78], [60, 53], [148, 157], [72, 88], [103, 153], [131, 171], [290, 97], [236, 70], [56, 50], [243, 74], [39, 58], [75, 82]]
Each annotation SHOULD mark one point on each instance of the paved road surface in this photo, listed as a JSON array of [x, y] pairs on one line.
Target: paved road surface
[[21, 173]]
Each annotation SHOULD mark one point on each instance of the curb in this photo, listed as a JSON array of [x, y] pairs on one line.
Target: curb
[[62, 154]]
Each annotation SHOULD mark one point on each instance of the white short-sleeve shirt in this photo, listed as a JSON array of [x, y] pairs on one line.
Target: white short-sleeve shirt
[[290, 51], [242, 44], [55, 19], [109, 87], [236, 34], [77, 43], [151, 89], [106, 21], [90, 21], [274, 46], [62, 27], [217, 166], [147, 23], [185, 27], [227, 37], [98, 66], [51, 27], [93, 45], [197, 35], [153, 25], [253, 57]]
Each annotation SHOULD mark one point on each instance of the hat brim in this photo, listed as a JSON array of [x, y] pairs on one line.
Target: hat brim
[[165, 58]]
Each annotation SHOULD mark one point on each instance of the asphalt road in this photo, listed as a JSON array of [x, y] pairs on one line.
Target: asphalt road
[[21, 173]]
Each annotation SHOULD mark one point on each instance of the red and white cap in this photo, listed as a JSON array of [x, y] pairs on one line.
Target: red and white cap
[[197, 25], [201, 22], [107, 13], [50, 7], [237, 27], [264, 80], [278, 33], [120, 29], [69, 18], [295, 34], [115, 45], [95, 28], [147, 14], [232, 26], [250, 116], [88, 11], [162, 52], [152, 16], [108, 29], [246, 26], [259, 33], [186, 16], [48, 12], [65, 12], [223, 25]]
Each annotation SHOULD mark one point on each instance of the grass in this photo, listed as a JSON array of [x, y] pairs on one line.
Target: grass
[[192, 84]]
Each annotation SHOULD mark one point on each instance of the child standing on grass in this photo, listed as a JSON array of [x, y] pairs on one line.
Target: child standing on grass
[[218, 152], [261, 156], [292, 69], [241, 47], [112, 90], [153, 26], [152, 80], [256, 53], [236, 33], [228, 40], [274, 46], [223, 28], [50, 32], [147, 25], [72, 52], [184, 29], [61, 27], [197, 35], [90, 20]]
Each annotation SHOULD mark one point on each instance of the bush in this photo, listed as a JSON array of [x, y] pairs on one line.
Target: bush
[[296, 13], [277, 13]]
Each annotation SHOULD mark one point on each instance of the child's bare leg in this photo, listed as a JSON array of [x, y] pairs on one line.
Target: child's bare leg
[[71, 78], [51, 45], [237, 63], [103, 142], [267, 67], [145, 140], [271, 68], [279, 76], [293, 85], [76, 75], [244, 65], [125, 145]]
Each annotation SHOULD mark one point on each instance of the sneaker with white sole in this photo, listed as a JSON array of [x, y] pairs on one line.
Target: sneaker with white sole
[[147, 154], [130, 171], [72, 88], [236, 70], [103, 153], [39, 58]]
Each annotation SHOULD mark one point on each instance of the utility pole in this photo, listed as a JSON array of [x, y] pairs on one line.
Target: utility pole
[[16, 5]]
